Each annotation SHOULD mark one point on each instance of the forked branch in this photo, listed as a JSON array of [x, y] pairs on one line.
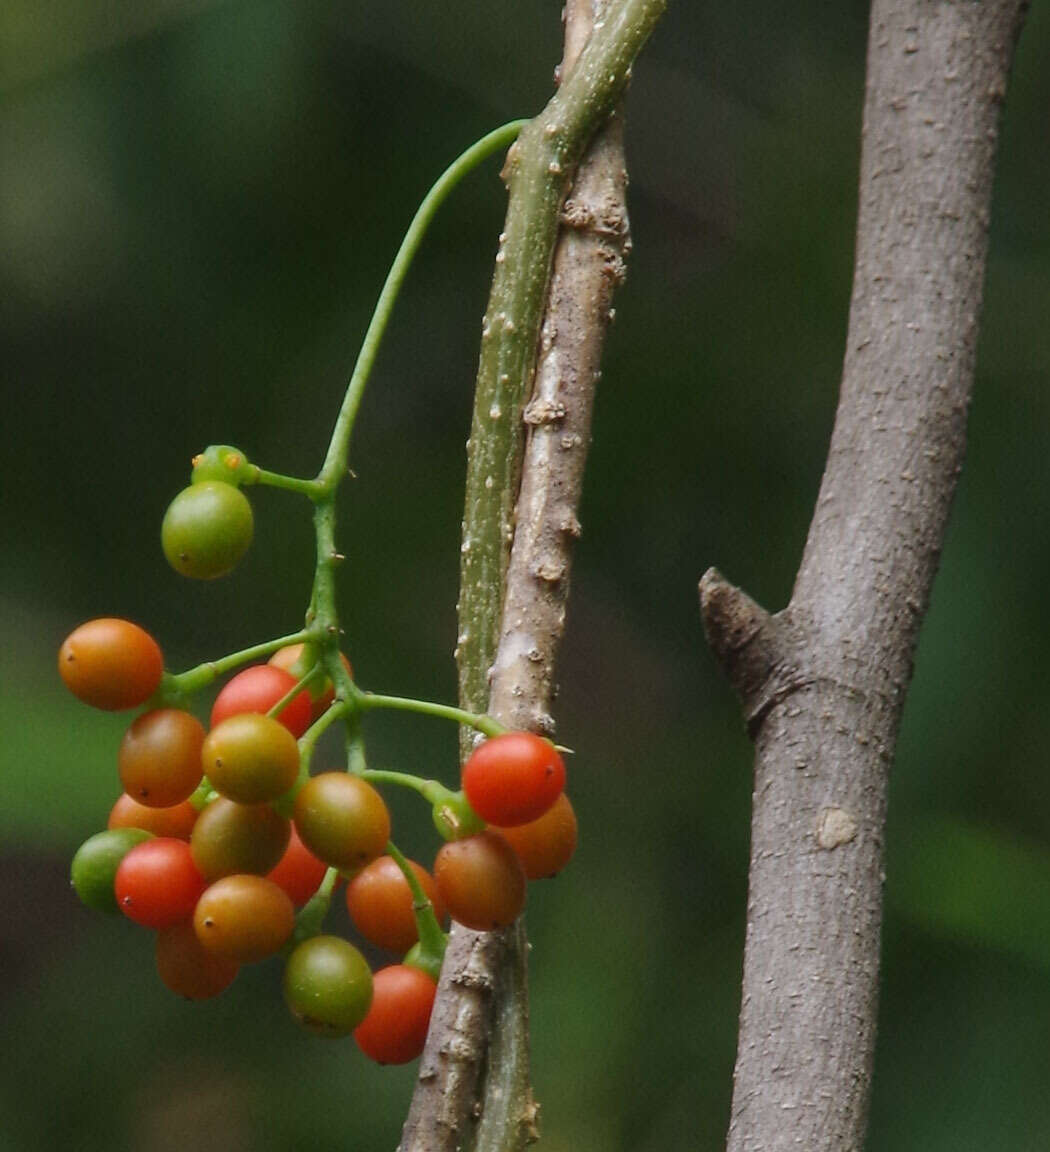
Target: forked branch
[[823, 682]]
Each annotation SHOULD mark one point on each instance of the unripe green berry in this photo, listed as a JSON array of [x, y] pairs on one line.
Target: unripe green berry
[[207, 529], [224, 464]]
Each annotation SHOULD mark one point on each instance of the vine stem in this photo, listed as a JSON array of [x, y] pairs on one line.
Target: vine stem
[[338, 450], [479, 722], [193, 679], [431, 946]]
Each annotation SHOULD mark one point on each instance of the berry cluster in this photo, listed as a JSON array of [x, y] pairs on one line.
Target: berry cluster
[[225, 844], [229, 847]]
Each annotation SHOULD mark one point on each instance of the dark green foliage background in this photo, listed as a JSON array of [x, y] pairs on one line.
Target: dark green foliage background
[[198, 202]]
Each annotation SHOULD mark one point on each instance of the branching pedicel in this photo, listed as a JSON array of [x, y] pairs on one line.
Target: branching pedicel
[[227, 845]]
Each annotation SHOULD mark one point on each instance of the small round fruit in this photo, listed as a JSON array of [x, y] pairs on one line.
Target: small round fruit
[[546, 845], [111, 664], [342, 819], [157, 883], [96, 862], [328, 985], [481, 881], [381, 906], [229, 838], [244, 918], [514, 778], [224, 463], [189, 969], [176, 822], [298, 872], [322, 694], [395, 1029], [160, 757], [258, 689], [207, 529], [250, 758]]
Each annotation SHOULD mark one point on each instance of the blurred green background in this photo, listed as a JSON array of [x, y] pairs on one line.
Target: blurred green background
[[198, 203]]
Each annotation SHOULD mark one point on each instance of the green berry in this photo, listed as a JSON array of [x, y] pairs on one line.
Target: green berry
[[224, 464], [207, 529], [328, 985]]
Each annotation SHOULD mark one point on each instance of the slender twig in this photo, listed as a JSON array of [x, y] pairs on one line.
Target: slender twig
[[823, 682], [482, 1012]]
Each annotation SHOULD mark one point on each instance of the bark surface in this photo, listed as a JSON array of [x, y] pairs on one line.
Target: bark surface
[[823, 683], [473, 1088]]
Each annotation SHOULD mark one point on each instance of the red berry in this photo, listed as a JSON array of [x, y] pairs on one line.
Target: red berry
[[257, 689], [513, 779], [157, 883], [395, 1029], [381, 906], [298, 872], [546, 845]]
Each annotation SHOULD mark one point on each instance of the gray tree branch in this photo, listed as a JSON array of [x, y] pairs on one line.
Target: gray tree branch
[[823, 683]]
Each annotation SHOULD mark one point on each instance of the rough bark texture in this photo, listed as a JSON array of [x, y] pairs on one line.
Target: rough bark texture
[[473, 1088], [823, 682]]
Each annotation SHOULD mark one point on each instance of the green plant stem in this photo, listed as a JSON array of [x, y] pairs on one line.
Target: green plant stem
[[193, 679], [432, 939], [481, 723], [308, 488], [201, 793], [308, 741], [309, 920], [539, 172], [289, 696], [335, 462], [431, 790]]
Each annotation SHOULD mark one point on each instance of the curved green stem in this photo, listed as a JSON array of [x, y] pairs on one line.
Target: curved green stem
[[482, 723], [289, 696], [308, 740], [308, 488], [309, 920], [335, 462], [432, 790], [193, 679], [432, 940]]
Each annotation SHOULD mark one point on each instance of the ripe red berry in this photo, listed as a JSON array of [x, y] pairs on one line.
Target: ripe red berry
[[381, 906], [298, 872], [514, 778], [257, 689], [395, 1029], [157, 883], [546, 845]]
